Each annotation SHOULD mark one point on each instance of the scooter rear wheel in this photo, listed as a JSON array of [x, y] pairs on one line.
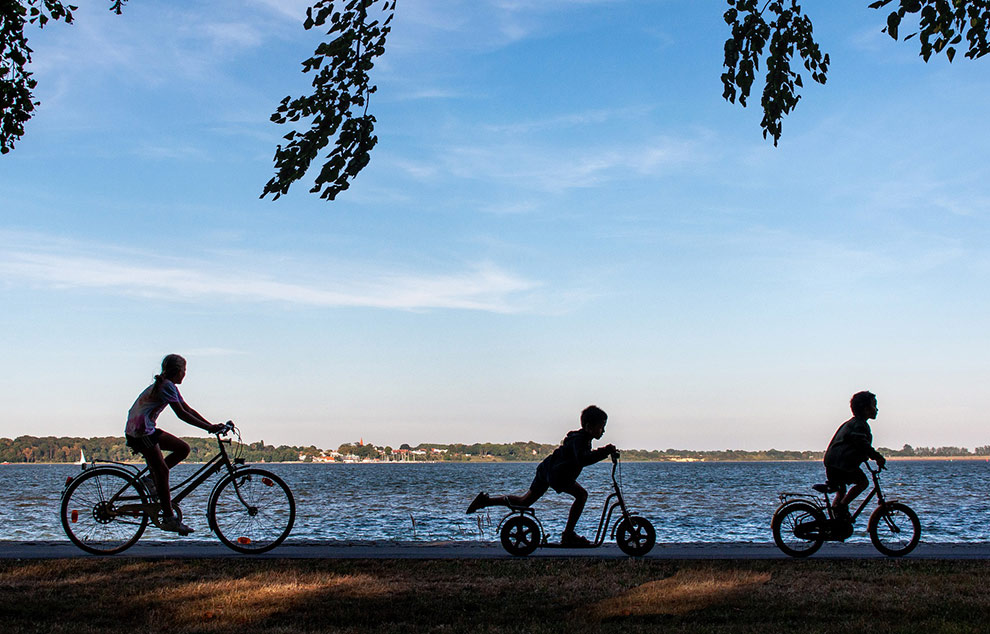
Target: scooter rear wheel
[[520, 535], [635, 536]]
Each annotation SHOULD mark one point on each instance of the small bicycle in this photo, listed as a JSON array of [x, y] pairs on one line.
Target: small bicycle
[[521, 532], [802, 523], [106, 509]]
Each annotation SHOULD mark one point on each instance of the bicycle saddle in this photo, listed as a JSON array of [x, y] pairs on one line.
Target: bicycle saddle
[[825, 488]]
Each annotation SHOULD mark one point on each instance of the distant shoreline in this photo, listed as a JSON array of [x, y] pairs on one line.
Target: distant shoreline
[[969, 458]]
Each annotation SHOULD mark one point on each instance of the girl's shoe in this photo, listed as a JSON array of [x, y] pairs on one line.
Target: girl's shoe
[[479, 502], [173, 525]]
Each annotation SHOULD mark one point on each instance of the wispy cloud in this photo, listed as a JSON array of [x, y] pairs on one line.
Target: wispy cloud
[[559, 168], [59, 265]]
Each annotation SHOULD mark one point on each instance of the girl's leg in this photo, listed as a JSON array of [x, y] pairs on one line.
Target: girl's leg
[[159, 473], [178, 449]]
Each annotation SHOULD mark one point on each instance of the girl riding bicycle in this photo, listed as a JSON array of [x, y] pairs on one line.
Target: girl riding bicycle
[[146, 439]]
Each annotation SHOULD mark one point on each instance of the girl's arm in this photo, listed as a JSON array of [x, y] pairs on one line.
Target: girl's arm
[[191, 416]]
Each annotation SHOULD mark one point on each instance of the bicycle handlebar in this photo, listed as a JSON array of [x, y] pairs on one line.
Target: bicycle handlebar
[[880, 467], [227, 428]]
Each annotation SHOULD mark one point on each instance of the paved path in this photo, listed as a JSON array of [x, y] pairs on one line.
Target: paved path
[[184, 549]]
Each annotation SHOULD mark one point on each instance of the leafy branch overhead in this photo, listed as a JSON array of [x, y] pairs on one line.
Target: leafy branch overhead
[[774, 41], [338, 107], [787, 31], [941, 26]]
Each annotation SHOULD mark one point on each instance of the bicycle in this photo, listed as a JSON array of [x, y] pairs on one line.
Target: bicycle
[[105, 510], [802, 523], [521, 532]]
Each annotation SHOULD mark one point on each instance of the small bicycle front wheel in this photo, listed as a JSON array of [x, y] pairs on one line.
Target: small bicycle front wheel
[[797, 528], [894, 529], [520, 535], [252, 511], [635, 536], [94, 511]]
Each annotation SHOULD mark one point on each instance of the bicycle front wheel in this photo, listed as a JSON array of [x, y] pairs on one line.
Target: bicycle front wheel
[[95, 515], [252, 511], [894, 529]]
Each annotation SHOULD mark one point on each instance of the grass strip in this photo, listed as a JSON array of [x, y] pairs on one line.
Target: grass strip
[[104, 596]]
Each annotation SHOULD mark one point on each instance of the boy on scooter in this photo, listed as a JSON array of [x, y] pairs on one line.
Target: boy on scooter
[[560, 471], [851, 446]]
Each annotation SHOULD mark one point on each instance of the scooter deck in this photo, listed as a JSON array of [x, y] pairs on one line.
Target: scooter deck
[[559, 545]]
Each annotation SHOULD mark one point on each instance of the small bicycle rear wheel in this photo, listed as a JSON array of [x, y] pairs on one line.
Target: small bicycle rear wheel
[[91, 511], [635, 536], [520, 535], [797, 528], [894, 529], [252, 511]]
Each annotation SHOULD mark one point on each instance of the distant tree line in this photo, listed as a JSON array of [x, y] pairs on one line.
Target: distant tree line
[[28, 449], [67, 449]]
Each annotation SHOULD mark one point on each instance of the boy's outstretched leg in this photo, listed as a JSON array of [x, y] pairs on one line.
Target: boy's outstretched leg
[[483, 500], [569, 537]]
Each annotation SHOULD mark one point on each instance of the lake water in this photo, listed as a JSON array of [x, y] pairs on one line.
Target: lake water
[[687, 502]]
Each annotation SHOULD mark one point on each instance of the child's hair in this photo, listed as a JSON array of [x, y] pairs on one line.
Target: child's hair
[[170, 367], [860, 401], [593, 414]]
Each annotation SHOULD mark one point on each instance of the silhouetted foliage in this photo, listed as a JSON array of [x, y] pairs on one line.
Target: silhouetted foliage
[[338, 106], [773, 35], [66, 449]]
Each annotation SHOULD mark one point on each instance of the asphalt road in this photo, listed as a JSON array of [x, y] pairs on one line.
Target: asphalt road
[[185, 549]]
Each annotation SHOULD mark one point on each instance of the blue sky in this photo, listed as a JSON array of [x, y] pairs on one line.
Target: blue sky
[[561, 210]]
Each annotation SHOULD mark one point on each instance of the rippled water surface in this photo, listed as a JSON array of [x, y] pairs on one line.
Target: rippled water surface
[[687, 502]]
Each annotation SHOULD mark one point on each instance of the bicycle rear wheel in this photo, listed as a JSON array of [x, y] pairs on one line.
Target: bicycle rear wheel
[[894, 529], [252, 511], [91, 511], [797, 528]]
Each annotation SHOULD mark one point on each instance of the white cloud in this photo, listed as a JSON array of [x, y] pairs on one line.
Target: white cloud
[[559, 168], [66, 266]]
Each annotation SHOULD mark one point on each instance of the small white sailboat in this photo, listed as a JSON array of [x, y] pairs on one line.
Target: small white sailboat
[[82, 457]]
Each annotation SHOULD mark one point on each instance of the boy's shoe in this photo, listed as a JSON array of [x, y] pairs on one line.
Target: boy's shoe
[[149, 484], [570, 538], [479, 502], [172, 524]]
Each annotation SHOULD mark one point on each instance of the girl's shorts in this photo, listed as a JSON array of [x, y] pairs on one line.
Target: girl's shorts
[[141, 444]]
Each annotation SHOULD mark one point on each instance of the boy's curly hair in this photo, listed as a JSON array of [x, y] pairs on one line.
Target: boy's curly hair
[[860, 401], [593, 414]]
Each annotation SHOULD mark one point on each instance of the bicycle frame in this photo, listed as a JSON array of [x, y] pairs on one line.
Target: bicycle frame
[[876, 491], [181, 490]]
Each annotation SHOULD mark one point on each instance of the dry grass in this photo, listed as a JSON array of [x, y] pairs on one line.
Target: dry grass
[[90, 596]]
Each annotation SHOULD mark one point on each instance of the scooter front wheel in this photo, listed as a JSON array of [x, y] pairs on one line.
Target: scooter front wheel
[[520, 535], [635, 536]]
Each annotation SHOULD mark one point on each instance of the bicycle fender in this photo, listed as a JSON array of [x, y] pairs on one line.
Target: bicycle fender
[[803, 501], [125, 470], [529, 512]]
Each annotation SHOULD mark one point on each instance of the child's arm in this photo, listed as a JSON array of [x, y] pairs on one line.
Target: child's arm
[[191, 416], [596, 455]]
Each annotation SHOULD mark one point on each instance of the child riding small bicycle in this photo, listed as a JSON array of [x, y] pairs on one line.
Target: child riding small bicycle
[[560, 471], [851, 446]]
